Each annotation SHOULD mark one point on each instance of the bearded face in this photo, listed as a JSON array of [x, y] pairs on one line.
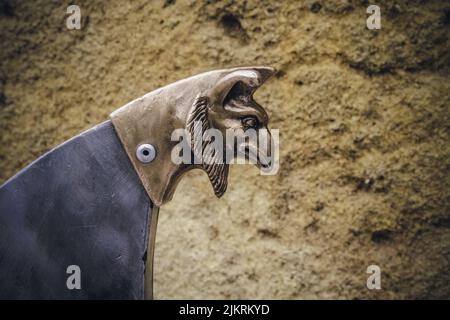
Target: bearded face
[[232, 112]]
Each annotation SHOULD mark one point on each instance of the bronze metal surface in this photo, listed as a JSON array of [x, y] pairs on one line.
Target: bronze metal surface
[[221, 98]]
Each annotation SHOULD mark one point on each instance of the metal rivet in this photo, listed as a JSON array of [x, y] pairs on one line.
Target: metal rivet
[[146, 153]]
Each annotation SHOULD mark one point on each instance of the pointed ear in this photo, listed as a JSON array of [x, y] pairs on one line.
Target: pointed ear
[[250, 79]]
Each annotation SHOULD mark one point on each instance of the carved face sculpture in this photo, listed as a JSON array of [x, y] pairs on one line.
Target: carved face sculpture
[[231, 109], [221, 100]]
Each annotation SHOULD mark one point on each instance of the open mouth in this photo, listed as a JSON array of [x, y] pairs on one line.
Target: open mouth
[[264, 163], [260, 161]]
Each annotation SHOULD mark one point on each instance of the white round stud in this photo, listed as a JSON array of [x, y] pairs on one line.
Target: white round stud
[[146, 153]]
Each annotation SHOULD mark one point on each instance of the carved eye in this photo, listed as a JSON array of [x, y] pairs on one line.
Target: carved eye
[[250, 122]]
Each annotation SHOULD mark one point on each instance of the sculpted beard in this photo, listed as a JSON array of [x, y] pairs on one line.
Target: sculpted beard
[[212, 163]]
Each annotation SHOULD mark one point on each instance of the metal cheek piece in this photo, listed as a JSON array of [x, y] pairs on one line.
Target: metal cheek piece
[[145, 153]]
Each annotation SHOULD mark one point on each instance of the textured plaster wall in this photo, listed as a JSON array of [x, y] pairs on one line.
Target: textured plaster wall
[[364, 117]]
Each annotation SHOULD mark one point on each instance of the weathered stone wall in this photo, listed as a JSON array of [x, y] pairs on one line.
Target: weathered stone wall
[[365, 135]]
